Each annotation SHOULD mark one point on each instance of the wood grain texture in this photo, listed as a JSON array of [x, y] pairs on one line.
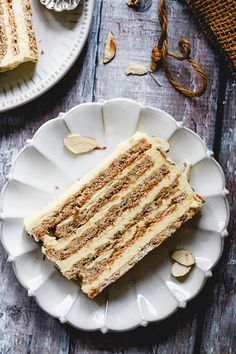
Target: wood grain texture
[[24, 327], [207, 324], [136, 33], [219, 330]]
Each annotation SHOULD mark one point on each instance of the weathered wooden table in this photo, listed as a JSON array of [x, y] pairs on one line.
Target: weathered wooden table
[[208, 324]]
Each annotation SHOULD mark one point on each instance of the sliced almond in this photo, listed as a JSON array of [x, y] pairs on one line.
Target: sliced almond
[[136, 69], [179, 270], [78, 144], [110, 48], [183, 257], [133, 3]]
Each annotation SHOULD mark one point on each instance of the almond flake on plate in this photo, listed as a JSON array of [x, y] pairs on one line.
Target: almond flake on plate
[[179, 270], [110, 48], [183, 257], [78, 144], [136, 69]]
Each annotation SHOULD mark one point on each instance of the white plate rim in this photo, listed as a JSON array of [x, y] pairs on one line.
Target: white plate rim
[[38, 90], [223, 193]]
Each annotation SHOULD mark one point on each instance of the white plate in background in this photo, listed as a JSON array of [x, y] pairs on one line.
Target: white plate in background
[[60, 38], [148, 292]]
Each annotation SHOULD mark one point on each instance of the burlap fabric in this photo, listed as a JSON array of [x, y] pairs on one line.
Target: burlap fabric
[[217, 19]]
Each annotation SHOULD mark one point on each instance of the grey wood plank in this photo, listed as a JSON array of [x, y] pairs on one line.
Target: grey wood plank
[[24, 327], [219, 330], [169, 336]]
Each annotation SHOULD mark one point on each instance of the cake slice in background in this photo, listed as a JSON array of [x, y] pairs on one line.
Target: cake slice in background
[[17, 39], [104, 224]]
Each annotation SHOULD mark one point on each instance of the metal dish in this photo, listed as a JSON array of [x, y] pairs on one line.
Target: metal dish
[[60, 5]]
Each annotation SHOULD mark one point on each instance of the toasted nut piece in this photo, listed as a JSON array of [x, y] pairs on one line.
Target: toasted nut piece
[[134, 3], [135, 69], [110, 48], [163, 144], [100, 147], [183, 257], [78, 144], [188, 169], [178, 270], [198, 197]]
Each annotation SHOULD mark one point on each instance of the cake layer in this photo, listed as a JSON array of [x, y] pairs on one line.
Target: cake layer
[[110, 237], [113, 217], [103, 220], [17, 38], [140, 245], [82, 191], [120, 185]]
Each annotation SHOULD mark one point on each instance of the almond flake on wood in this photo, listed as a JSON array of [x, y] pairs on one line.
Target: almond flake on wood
[[133, 3], [136, 69], [78, 144], [110, 48]]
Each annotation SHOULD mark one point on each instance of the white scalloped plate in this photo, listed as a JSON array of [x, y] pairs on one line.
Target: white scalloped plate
[[148, 292], [61, 37]]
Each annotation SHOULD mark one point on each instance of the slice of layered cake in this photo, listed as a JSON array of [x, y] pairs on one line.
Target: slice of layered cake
[[17, 38], [124, 208]]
